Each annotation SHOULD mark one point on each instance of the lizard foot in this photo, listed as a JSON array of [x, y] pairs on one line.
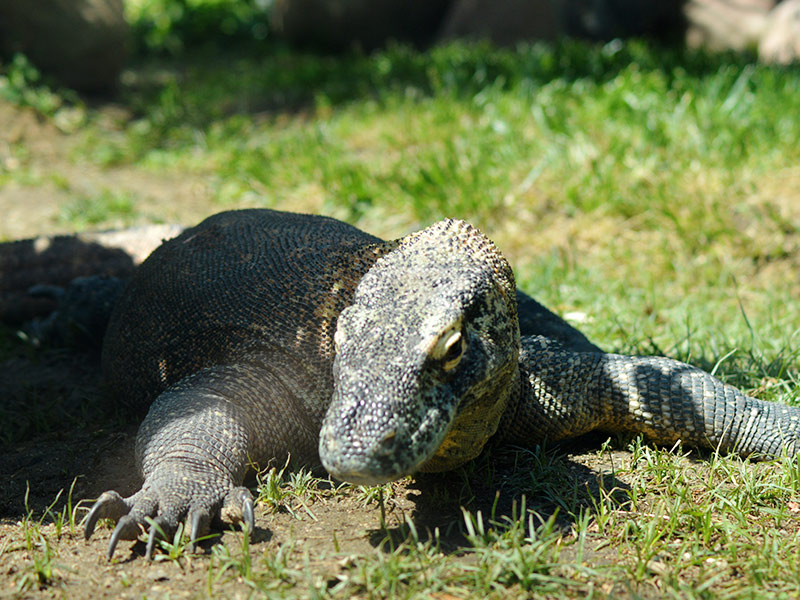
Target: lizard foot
[[159, 509]]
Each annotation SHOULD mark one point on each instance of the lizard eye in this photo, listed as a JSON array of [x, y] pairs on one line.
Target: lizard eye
[[450, 349]]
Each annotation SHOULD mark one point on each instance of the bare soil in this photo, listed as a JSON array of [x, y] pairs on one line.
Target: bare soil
[[45, 178]]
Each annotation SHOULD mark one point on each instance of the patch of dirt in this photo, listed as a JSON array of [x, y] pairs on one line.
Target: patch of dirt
[[43, 178]]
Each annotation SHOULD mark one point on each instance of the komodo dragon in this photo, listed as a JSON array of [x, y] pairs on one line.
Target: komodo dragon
[[259, 334]]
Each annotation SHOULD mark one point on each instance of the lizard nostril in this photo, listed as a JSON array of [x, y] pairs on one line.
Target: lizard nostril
[[387, 442]]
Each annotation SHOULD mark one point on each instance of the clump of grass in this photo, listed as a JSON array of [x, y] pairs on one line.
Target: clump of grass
[[171, 28], [288, 490], [21, 84], [273, 572], [67, 516], [42, 569], [107, 206], [520, 550]]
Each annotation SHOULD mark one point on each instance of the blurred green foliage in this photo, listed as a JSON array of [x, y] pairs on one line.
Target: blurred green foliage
[[170, 27], [21, 84]]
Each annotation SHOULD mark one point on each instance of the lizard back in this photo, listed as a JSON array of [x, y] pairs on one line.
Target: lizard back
[[256, 285]]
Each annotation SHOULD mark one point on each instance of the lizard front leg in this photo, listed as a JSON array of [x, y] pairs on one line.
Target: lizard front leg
[[193, 450]]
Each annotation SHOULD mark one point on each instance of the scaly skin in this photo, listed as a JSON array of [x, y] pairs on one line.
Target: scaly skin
[[567, 393], [258, 335]]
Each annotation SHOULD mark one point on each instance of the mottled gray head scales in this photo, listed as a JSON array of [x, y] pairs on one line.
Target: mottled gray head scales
[[425, 358]]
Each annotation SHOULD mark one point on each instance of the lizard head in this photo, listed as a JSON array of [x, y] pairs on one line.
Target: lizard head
[[425, 357]]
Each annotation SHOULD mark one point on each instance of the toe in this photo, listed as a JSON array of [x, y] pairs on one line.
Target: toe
[[110, 505], [238, 508], [161, 528]]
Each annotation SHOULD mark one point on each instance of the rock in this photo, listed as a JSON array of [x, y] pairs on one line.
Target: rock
[[369, 24], [503, 21], [509, 21], [608, 19], [726, 24], [80, 42], [780, 42]]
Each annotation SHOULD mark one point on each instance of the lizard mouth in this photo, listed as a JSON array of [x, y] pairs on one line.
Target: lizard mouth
[[362, 451]]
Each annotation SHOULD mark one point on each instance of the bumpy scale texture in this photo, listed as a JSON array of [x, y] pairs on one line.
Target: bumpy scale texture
[[570, 393], [259, 335], [403, 399]]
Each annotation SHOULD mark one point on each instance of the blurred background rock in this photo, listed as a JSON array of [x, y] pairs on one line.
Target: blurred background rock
[[84, 44]]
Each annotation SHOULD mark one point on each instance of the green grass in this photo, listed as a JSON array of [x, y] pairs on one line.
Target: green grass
[[648, 193], [85, 212], [717, 528]]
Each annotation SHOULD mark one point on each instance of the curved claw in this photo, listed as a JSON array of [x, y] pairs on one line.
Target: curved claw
[[152, 536], [199, 525], [110, 505], [127, 529], [248, 516]]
